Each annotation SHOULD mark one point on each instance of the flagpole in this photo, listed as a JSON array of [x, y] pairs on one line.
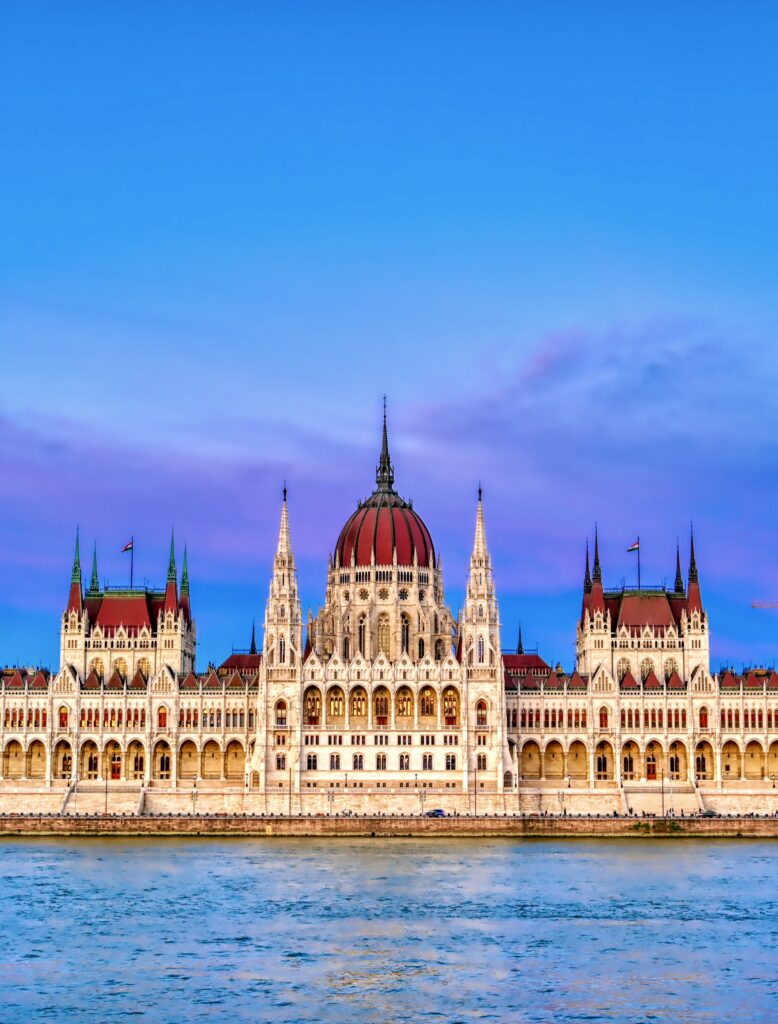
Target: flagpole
[[638, 562], [132, 561]]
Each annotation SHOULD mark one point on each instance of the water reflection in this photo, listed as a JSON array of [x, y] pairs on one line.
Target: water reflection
[[388, 930]]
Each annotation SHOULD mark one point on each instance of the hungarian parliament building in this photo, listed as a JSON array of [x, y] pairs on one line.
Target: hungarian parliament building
[[384, 702]]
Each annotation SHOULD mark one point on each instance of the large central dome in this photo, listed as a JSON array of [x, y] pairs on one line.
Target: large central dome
[[385, 528]]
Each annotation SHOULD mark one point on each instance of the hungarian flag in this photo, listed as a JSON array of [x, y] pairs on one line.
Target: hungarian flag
[[127, 546], [634, 547]]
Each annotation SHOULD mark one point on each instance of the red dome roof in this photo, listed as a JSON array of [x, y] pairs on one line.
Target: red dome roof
[[379, 527], [384, 525]]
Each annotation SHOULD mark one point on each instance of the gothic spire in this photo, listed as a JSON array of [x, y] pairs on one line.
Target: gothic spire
[[185, 574], [253, 648], [587, 573], [384, 476], [597, 574], [171, 566], [75, 576], [480, 549], [94, 583], [284, 542], [520, 645], [693, 577], [678, 573]]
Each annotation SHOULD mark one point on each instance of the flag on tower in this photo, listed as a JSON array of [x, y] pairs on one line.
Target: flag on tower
[[128, 546], [635, 546]]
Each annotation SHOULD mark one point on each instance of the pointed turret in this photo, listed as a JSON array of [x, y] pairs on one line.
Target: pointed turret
[[75, 597], [480, 617], [171, 590], [679, 589], [597, 575], [520, 644], [597, 600], [184, 599], [94, 582], [384, 475], [253, 646], [694, 601], [283, 615], [587, 573], [480, 549]]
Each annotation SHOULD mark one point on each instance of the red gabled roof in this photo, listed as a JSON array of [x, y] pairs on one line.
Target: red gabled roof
[[578, 682], [39, 681], [629, 682], [729, 682], [16, 680], [675, 682], [519, 663], [115, 682], [645, 610], [242, 662], [651, 682], [92, 682], [189, 682], [212, 682], [138, 681], [752, 681], [129, 610], [236, 682], [772, 682]]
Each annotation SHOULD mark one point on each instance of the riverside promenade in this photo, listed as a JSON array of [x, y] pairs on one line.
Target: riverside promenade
[[376, 826]]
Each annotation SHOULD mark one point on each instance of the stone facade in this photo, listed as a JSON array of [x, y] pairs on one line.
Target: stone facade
[[386, 702]]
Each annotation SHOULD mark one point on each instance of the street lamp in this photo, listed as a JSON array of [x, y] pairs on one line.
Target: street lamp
[[194, 795]]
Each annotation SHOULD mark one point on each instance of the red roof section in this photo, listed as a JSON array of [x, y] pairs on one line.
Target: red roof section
[[242, 662], [645, 610], [383, 525]]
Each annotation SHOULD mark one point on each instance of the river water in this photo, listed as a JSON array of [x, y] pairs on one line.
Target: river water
[[388, 930]]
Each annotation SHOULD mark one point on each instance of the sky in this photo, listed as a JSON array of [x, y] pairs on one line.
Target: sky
[[547, 232]]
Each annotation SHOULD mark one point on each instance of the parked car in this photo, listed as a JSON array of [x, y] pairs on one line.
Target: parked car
[[708, 814], [437, 813]]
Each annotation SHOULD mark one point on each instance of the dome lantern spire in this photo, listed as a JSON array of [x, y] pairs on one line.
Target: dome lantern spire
[[384, 476]]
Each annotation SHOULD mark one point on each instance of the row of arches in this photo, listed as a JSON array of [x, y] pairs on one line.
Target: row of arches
[[117, 763], [31, 717], [337, 763], [357, 708], [134, 717], [650, 761]]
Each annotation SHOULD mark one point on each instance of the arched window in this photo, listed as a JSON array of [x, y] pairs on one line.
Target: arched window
[[523, 718], [675, 766], [358, 703], [629, 765], [282, 650], [405, 762], [162, 717], [700, 765], [480, 650], [426, 763], [603, 718], [335, 702], [405, 634], [421, 647], [451, 762], [481, 714], [334, 762], [383, 633], [346, 648], [280, 762], [362, 634], [427, 702], [63, 717], [481, 762], [312, 762], [438, 650], [380, 762], [358, 762]]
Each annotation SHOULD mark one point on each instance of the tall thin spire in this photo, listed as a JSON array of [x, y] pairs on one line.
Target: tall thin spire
[[693, 577], [678, 573], [75, 576], [384, 475], [520, 645], [253, 647], [185, 573], [94, 583], [587, 573], [284, 542], [480, 549], [597, 574], [172, 575]]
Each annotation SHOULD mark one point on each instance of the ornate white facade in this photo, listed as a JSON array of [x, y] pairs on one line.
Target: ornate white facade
[[387, 702]]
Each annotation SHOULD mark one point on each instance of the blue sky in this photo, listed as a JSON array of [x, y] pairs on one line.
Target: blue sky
[[547, 232]]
